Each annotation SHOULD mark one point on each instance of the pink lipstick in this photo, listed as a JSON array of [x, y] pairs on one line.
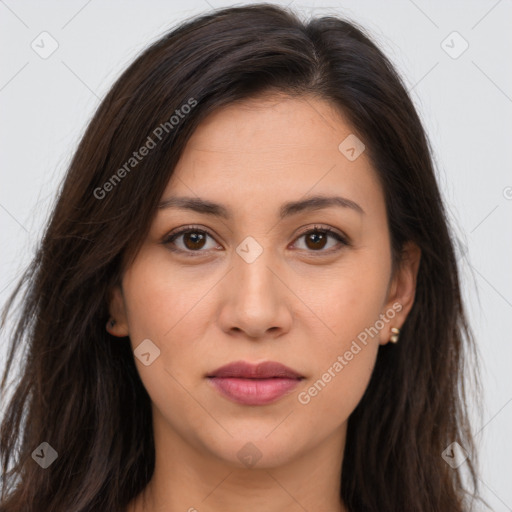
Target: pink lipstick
[[254, 384]]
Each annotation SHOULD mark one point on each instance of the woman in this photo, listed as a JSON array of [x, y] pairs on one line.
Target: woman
[[247, 295]]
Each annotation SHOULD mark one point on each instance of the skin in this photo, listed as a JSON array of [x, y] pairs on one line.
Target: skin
[[299, 304]]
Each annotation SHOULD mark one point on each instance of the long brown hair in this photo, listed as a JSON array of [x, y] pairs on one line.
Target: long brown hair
[[79, 389]]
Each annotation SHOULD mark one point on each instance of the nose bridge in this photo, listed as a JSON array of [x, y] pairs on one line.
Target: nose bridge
[[252, 273], [255, 296]]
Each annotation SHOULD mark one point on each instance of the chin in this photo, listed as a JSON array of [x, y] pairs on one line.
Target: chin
[[255, 449]]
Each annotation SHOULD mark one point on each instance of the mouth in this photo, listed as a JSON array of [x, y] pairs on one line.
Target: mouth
[[254, 384]]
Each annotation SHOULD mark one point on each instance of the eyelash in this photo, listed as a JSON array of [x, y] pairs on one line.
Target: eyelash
[[171, 237]]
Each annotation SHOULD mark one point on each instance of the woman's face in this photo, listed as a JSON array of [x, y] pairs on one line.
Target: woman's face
[[256, 285]]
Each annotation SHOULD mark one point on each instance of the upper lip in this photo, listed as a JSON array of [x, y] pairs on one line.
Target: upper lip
[[265, 370]]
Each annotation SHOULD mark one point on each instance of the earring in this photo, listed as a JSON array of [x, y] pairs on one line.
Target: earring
[[111, 323], [395, 335]]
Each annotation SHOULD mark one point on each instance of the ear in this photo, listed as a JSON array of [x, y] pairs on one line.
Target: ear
[[402, 289], [117, 310]]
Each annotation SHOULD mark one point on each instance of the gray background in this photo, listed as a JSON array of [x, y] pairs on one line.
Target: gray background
[[464, 99]]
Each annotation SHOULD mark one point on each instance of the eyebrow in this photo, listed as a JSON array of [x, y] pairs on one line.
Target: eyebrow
[[287, 209]]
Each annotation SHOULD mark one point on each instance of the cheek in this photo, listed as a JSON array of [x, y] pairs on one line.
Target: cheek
[[162, 306], [169, 306], [345, 358], [335, 391], [350, 301], [350, 305], [160, 299]]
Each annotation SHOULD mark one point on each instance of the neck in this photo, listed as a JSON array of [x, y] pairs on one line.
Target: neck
[[190, 478]]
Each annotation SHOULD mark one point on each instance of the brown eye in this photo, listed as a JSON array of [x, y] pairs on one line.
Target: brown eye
[[194, 240], [189, 241], [317, 239]]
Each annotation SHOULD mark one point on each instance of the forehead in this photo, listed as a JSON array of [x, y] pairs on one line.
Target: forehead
[[273, 148], [269, 125]]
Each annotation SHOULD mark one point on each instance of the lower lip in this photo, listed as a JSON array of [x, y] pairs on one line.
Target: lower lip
[[253, 391]]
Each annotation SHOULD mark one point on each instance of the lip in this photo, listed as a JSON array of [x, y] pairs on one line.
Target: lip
[[254, 384]]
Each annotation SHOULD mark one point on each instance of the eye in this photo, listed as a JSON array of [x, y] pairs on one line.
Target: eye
[[316, 239], [193, 240]]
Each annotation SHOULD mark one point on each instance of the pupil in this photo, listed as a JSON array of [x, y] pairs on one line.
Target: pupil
[[315, 237], [194, 239]]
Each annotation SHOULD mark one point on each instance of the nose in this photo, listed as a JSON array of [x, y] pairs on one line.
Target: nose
[[255, 301]]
